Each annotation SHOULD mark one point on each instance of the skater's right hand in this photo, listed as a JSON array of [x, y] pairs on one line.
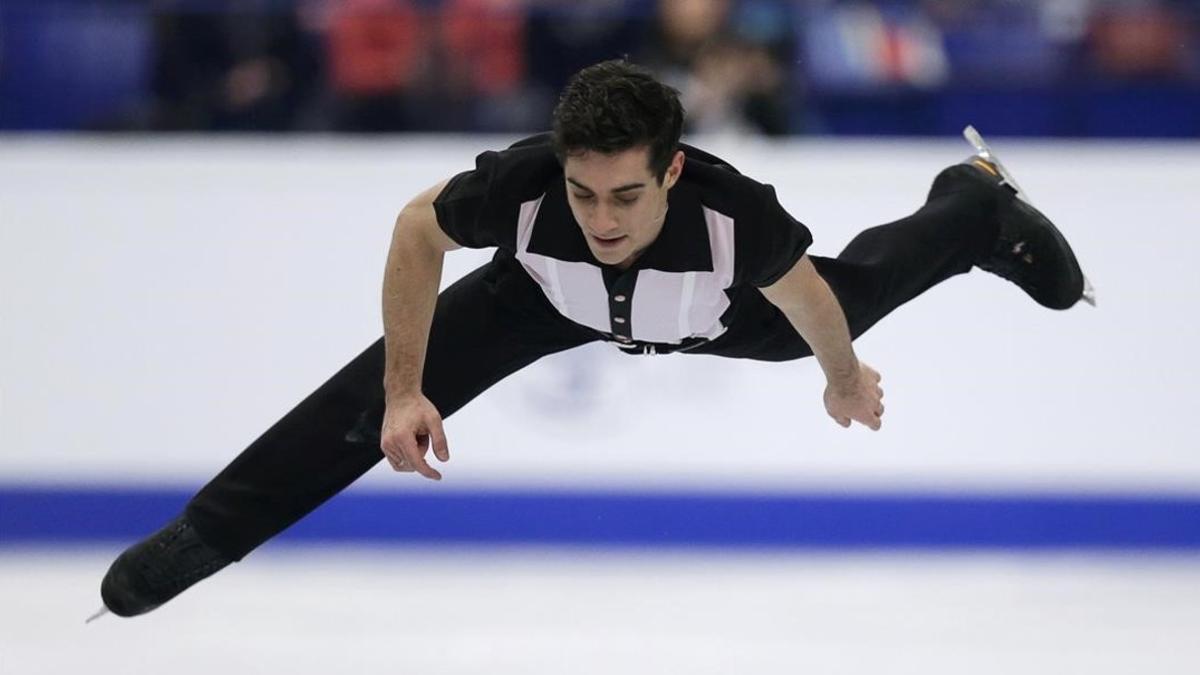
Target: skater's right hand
[[410, 423]]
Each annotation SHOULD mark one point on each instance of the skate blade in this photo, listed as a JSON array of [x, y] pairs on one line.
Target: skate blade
[[984, 151], [1089, 292], [99, 613]]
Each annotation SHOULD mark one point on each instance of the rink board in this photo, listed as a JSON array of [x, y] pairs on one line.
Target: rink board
[[648, 520]]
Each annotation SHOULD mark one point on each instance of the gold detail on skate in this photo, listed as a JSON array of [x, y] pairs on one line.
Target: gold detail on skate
[[986, 166]]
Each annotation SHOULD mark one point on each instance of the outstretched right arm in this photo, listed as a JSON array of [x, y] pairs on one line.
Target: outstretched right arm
[[410, 285]]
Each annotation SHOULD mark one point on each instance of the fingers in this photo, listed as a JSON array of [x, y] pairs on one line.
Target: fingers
[[391, 453], [409, 432], [869, 420], [406, 453], [415, 458], [865, 405], [395, 464], [396, 459], [873, 418], [437, 435], [401, 466]]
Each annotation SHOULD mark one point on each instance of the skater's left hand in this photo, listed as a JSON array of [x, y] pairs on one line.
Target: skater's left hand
[[411, 425], [860, 399]]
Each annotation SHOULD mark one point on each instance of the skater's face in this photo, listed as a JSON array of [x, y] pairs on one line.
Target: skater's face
[[617, 200]]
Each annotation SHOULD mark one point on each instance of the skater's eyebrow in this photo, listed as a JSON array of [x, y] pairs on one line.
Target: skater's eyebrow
[[623, 188]]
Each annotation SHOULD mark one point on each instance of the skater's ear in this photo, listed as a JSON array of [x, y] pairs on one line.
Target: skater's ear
[[674, 170]]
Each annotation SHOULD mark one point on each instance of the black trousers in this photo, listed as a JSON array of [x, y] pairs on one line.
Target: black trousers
[[496, 321]]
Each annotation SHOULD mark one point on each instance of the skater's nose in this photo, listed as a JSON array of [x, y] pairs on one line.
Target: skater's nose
[[602, 222]]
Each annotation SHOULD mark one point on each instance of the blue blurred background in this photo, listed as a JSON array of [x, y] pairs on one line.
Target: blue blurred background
[[1075, 68]]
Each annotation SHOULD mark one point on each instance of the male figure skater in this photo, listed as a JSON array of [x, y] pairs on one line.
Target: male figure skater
[[606, 229]]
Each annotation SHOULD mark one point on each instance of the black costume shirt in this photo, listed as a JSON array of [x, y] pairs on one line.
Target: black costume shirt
[[724, 236]]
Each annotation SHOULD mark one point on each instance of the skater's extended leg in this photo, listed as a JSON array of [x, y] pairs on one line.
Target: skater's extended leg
[[975, 215], [971, 217], [479, 335], [298, 463], [486, 326], [885, 266]]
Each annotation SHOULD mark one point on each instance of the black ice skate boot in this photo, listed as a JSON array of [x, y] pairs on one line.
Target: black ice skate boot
[[158, 568], [1030, 251]]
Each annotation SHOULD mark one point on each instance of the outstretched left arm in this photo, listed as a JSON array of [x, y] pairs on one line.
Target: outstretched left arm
[[852, 391]]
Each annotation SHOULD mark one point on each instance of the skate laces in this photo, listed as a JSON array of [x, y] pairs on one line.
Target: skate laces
[[1012, 259], [180, 559]]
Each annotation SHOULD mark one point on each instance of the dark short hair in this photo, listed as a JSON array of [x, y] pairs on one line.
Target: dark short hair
[[615, 105]]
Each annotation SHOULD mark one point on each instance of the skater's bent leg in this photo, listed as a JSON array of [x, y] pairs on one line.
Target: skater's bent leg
[[485, 327], [885, 266]]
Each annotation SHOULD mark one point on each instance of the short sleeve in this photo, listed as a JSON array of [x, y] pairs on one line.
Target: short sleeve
[[479, 208], [469, 210], [770, 246]]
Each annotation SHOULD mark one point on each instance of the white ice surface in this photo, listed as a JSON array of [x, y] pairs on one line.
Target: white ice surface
[[310, 611]]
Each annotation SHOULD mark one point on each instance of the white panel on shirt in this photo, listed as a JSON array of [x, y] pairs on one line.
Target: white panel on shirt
[[668, 307]]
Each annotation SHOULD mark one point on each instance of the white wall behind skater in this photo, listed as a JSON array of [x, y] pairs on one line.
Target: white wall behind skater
[[162, 302]]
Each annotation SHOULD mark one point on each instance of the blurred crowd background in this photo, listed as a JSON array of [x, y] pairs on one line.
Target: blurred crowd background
[[1114, 68]]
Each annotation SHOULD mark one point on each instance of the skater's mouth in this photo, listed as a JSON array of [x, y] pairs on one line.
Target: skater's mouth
[[611, 242]]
